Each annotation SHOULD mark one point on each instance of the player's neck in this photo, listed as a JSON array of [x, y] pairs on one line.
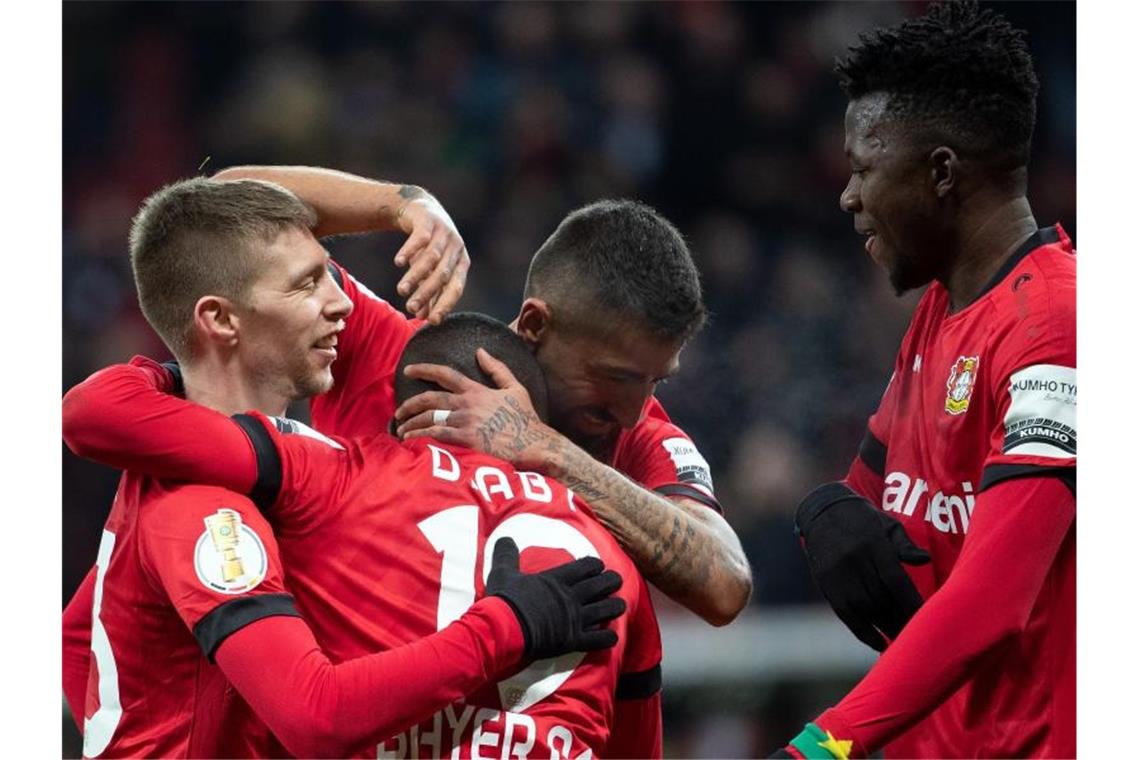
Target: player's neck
[[221, 387], [988, 238]]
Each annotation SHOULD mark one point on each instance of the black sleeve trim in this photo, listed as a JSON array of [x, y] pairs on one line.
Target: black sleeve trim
[[336, 275], [640, 685], [680, 489], [231, 617], [996, 473], [873, 452], [268, 485]]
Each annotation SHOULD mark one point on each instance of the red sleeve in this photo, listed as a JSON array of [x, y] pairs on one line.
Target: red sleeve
[[123, 416], [77, 647], [319, 709], [868, 469], [1015, 533], [215, 557], [302, 475], [637, 729], [1033, 378], [362, 399], [661, 457], [864, 481], [637, 723]]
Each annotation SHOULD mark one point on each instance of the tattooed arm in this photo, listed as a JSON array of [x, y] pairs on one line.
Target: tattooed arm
[[680, 545], [434, 252]]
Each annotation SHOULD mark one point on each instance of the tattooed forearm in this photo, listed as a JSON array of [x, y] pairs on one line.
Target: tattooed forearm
[[510, 430], [685, 549], [681, 554]]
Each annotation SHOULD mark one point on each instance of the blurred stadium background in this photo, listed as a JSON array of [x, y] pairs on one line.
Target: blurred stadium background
[[723, 116]]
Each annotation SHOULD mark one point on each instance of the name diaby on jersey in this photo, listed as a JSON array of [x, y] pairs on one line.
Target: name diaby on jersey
[[229, 557]]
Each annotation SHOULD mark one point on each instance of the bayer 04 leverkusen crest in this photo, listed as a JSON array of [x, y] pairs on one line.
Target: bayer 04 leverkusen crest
[[960, 384]]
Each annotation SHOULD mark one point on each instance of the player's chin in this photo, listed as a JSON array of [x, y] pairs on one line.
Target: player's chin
[[904, 276], [317, 381]]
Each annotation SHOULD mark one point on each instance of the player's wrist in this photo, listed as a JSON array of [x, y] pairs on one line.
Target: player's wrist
[[822, 499], [557, 456], [816, 743], [496, 625]]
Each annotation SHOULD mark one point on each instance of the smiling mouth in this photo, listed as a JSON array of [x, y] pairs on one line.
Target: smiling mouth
[[596, 422], [326, 343], [869, 245]]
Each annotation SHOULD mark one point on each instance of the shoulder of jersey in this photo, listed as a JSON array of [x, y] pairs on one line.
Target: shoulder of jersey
[[1044, 282], [293, 427], [196, 493]]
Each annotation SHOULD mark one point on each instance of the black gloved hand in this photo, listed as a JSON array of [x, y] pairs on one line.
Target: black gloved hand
[[561, 609], [855, 553]]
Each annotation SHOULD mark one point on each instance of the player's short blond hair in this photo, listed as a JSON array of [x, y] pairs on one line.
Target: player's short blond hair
[[202, 237]]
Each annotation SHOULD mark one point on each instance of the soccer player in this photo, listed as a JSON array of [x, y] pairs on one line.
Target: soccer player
[[431, 512], [973, 448], [618, 260], [610, 300], [190, 576]]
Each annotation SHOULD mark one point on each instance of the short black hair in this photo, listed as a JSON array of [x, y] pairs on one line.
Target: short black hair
[[959, 73], [453, 342], [619, 259]]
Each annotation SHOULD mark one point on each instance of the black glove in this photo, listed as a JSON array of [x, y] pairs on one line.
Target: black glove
[[561, 609], [856, 552]]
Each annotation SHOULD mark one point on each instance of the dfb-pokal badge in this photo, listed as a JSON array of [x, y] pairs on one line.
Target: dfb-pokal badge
[[960, 384], [229, 557]]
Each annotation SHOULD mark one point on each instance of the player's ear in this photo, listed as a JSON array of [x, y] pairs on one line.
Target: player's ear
[[216, 321], [533, 321], [944, 168]]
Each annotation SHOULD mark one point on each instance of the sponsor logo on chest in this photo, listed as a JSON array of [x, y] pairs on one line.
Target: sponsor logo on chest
[[948, 513]]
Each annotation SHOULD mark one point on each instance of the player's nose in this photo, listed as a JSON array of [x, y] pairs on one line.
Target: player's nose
[[849, 199], [339, 306]]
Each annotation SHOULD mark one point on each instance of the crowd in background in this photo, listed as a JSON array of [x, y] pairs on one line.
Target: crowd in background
[[723, 116]]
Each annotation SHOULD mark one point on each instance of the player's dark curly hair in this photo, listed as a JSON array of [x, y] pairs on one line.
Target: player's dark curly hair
[[453, 342], [959, 74], [619, 259]]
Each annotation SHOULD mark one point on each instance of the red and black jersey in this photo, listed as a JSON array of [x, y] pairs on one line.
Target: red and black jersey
[[980, 398], [178, 570], [387, 542], [655, 453]]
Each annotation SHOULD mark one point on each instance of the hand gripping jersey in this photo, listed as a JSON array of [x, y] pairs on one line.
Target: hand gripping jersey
[[979, 400], [388, 542]]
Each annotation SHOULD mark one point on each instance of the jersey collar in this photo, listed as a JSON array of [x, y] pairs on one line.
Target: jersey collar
[[1043, 236]]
